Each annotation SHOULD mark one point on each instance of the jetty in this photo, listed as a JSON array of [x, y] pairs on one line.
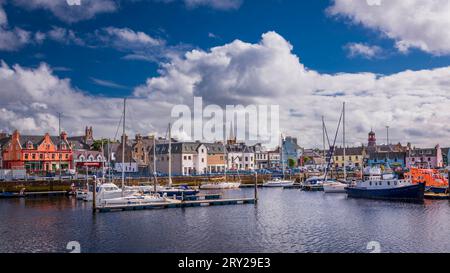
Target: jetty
[[191, 201]]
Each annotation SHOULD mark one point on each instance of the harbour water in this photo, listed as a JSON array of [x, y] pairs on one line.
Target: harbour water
[[282, 221]]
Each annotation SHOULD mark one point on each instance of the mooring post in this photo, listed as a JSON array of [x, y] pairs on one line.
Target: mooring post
[[94, 197], [256, 186]]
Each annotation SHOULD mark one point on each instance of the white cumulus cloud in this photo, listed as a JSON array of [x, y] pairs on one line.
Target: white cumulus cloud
[[363, 50], [419, 24]]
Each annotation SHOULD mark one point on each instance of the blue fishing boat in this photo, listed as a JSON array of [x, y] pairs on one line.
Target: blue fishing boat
[[386, 187], [11, 195]]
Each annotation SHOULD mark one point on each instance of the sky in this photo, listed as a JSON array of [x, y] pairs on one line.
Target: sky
[[388, 60]]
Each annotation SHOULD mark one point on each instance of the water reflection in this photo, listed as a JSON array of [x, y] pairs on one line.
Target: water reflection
[[282, 221]]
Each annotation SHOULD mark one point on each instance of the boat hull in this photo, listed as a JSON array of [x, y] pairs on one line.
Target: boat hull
[[410, 193], [171, 193], [7, 195], [220, 186], [335, 188], [278, 184], [436, 189]]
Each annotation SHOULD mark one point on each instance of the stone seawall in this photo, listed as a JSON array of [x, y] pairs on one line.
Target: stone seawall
[[65, 185]]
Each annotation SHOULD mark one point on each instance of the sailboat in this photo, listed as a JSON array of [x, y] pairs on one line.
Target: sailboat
[[107, 193], [170, 190], [279, 182], [336, 186]]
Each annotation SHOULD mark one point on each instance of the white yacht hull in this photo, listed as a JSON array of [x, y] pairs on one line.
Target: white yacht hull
[[278, 183], [132, 200], [221, 186], [334, 187]]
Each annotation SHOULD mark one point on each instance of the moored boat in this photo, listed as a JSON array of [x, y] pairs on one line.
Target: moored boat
[[278, 182], [386, 187], [334, 187], [220, 186], [434, 181]]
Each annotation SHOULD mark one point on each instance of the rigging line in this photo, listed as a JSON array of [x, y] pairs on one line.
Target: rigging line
[[333, 147], [118, 126]]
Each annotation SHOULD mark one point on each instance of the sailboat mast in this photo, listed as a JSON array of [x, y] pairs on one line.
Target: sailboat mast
[[323, 140], [154, 163], [109, 160], [343, 140], [170, 155], [123, 146], [282, 157]]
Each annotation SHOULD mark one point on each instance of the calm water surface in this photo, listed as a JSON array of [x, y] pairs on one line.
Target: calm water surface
[[283, 221]]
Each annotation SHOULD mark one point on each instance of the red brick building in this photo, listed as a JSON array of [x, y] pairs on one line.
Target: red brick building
[[37, 153]]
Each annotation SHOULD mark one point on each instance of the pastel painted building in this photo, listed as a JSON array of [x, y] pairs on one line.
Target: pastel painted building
[[425, 158], [291, 151], [216, 161], [354, 157], [391, 159], [37, 153]]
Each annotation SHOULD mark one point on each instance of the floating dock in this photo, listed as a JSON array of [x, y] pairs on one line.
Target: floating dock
[[172, 203], [436, 196]]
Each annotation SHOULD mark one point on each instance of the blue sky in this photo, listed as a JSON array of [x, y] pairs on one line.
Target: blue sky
[[319, 40], [359, 51]]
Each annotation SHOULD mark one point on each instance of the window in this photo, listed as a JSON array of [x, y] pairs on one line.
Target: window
[[185, 157], [53, 156], [203, 160], [26, 156], [41, 156]]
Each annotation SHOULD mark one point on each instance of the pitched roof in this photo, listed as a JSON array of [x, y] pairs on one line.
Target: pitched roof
[[423, 152], [349, 151], [215, 148]]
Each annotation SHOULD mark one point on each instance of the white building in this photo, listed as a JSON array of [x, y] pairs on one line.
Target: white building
[[188, 158], [129, 167], [240, 156], [261, 157]]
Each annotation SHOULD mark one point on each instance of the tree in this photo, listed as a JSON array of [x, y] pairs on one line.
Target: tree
[[291, 163]]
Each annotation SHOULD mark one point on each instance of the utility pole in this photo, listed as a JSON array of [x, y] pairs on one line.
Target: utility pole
[[387, 134]]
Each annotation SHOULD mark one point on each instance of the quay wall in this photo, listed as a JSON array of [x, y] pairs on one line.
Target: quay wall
[[65, 185]]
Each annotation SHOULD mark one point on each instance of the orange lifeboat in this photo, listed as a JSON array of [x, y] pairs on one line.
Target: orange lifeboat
[[434, 181]]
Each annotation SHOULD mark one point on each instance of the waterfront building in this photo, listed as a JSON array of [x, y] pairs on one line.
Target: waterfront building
[[274, 158], [88, 159], [4, 137], [240, 156], [129, 164], [83, 142], [291, 151], [313, 158], [37, 153], [140, 151], [445, 156], [393, 155], [216, 157], [425, 158], [188, 158], [261, 156], [354, 157]]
